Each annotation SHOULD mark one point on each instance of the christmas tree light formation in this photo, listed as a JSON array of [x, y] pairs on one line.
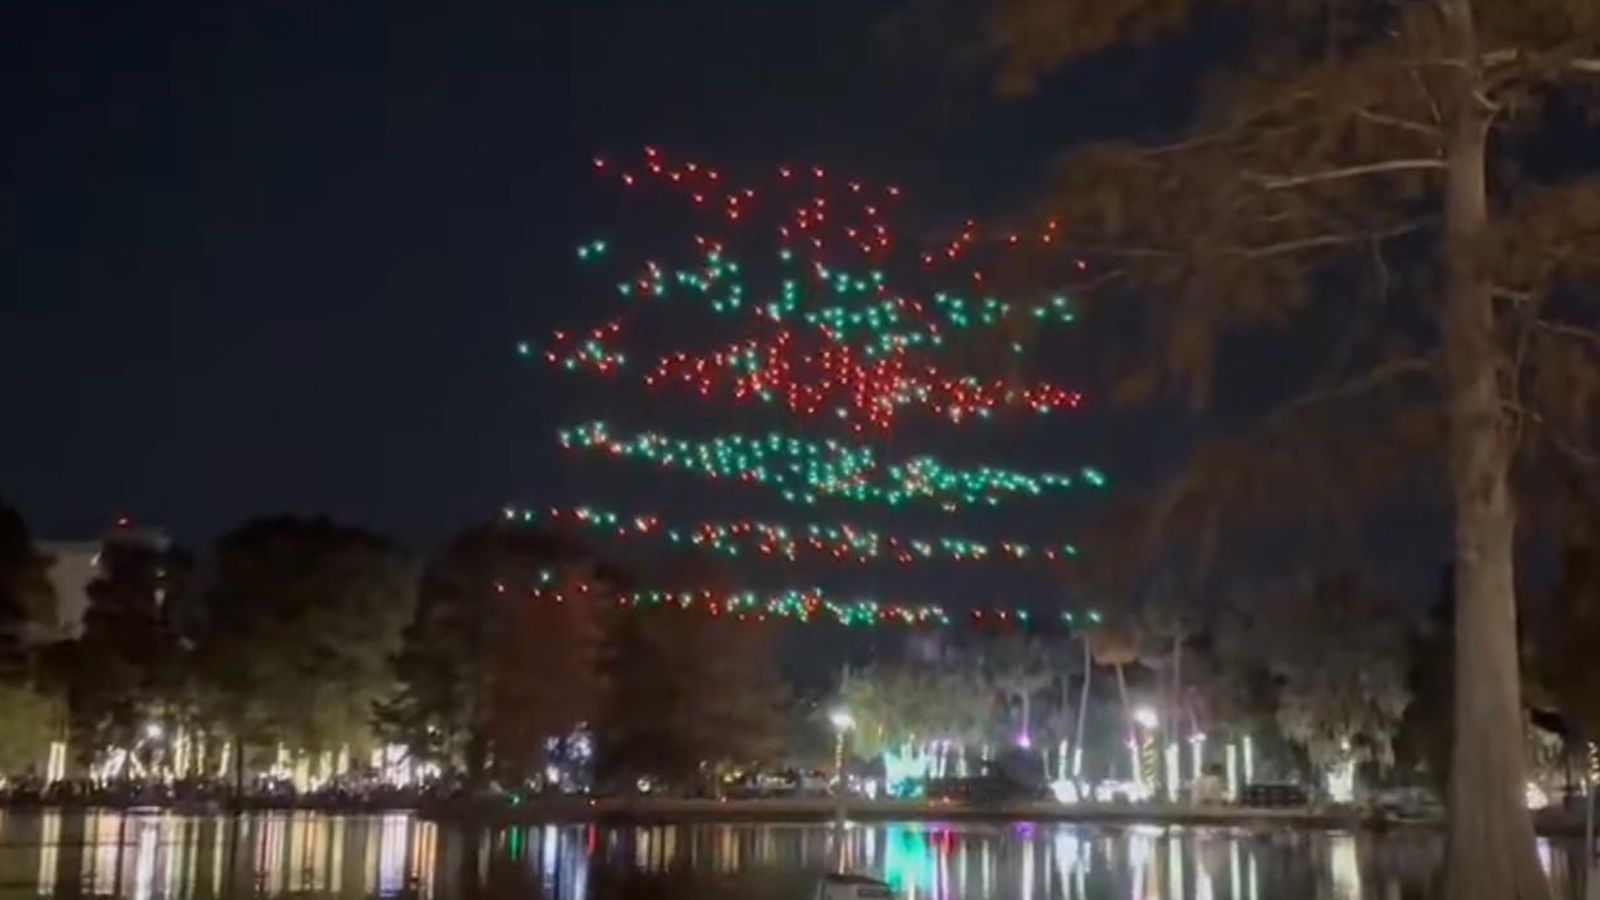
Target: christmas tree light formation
[[841, 324]]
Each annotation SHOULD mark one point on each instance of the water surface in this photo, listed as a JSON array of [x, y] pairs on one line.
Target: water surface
[[315, 856]]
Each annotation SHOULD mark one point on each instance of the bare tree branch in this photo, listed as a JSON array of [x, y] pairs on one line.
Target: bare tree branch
[[1330, 240], [1311, 242], [1375, 377], [1276, 182], [1564, 329], [1397, 122]]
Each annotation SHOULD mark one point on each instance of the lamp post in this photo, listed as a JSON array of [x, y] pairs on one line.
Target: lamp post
[[1143, 769]]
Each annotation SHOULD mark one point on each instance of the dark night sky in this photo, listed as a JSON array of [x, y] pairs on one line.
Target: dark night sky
[[274, 257]]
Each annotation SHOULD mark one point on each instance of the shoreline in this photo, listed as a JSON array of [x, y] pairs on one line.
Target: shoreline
[[668, 811]]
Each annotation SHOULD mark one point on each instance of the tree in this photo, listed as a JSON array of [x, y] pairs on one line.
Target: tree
[[123, 671], [296, 632], [25, 591], [493, 664], [687, 692], [1362, 131], [1117, 645], [1563, 657], [1428, 728], [1019, 667], [32, 720], [1338, 652], [918, 716]]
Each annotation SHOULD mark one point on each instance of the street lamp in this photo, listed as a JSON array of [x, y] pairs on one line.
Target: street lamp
[[1146, 718]]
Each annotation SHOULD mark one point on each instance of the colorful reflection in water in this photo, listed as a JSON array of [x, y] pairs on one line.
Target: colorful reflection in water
[[305, 855]]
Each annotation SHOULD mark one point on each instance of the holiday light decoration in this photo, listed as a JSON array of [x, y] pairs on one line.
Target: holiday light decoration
[[874, 361], [834, 315], [808, 605], [843, 541], [585, 351], [833, 379], [804, 471]]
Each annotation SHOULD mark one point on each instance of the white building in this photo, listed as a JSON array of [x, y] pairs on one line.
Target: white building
[[73, 565]]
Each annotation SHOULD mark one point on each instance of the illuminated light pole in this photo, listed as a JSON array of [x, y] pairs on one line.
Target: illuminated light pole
[[842, 721], [1233, 771], [1141, 748], [1171, 773]]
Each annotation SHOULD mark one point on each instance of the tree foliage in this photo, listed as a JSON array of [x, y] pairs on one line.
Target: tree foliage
[[296, 631], [487, 670], [1338, 652], [26, 595], [905, 704], [687, 691], [1568, 636], [125, 669], [33, 718]]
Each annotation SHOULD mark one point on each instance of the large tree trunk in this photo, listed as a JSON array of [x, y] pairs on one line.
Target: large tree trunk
[[1491, 854]]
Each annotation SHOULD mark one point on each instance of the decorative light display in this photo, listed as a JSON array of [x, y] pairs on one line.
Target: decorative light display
[[835, 379], [809, 605], [804, 471], [834, 273], [584, 351], [843, 541], [833, 321]]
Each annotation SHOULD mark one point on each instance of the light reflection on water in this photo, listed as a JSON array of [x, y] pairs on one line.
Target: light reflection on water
[[156, 856]]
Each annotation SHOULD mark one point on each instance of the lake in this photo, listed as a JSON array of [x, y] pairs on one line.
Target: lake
[[312, 855]]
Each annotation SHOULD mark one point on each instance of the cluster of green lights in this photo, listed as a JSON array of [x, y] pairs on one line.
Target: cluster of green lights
[[843, 541], [880, 322], [591, 250], [804, 471], [964, 312]]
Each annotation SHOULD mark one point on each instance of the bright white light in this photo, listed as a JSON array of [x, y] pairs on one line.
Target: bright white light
[[842, 720], [1536, 797], [1065, 791], [1342, 782], [1111, 790], [1146, 717], [153, 731]]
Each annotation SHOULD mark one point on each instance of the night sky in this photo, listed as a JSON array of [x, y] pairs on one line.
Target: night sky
[[275, 256]]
